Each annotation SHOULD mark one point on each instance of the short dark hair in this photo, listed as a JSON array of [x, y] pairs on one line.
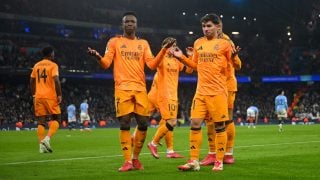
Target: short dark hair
[[129, 13], [280, 91], [166, 40], [215, 19], [47, 51]]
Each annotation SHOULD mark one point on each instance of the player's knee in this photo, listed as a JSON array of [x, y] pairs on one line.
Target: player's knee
[[56, 117], [169, 126], [42, 123], [219, 127], [196, 123], [124, 122], [195, 129], [142, 122], [172, 123]]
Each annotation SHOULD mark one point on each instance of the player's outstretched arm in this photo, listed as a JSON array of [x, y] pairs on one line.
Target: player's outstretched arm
[[153, 63], [177, 53], [93, 52]]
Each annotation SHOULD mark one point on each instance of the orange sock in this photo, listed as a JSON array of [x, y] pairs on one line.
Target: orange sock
[[169, 140], [161, 131], [221, 141], [231, 132], [54, 126], [41, 131], [211, 137], [139, 138], [125, 141], [195, 143]]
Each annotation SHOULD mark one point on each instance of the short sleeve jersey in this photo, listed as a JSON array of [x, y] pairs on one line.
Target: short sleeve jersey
[[168, 77], [212, 58], [44, 72], [129, 56]]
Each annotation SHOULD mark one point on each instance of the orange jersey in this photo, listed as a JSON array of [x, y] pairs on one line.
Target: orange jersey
[[212, 58], [153, 93], [154, 86], [236, 62], [231, 79], [129, 56], [168, 77], [44, 72]]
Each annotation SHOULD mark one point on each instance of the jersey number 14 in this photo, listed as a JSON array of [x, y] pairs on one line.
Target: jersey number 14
[[42, 74]]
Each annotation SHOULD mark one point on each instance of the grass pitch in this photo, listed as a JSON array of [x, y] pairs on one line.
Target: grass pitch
[[261, 153]]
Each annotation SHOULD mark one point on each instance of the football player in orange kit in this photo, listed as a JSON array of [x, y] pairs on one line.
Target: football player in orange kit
[[235, 64], [129, 55], [47, 96], [167, 101], [210, 58]]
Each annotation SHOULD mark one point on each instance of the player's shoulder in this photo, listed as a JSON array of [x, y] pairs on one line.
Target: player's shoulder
[[115, 38], [142, 40], [199, 40], [225, 36], [45, 62], [224, 41]]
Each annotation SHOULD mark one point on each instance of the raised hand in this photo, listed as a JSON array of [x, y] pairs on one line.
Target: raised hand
[[235, 50], [93, 52], [169, 43], [176, 52], [189, 51]]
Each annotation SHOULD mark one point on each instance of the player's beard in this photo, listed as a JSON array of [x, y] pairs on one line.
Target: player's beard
[[130, 30]]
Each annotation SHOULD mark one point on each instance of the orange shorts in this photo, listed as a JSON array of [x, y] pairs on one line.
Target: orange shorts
[[153, 104], [231, 98], [216, 105], [128, 101], [168, 108], [44, 107]]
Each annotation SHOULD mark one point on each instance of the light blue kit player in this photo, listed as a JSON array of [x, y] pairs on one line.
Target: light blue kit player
[[281, 108]]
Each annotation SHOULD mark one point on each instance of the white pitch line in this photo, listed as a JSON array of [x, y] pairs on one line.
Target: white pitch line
[[112, 156]]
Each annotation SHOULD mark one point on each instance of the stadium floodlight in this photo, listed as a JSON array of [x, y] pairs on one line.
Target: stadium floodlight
[[235, 33]]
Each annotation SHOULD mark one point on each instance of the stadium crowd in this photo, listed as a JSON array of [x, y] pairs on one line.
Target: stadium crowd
[[16, 101], [265, 53]]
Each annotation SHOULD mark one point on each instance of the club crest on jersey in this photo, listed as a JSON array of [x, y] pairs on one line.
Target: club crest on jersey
[[216, 47], [139, 47]]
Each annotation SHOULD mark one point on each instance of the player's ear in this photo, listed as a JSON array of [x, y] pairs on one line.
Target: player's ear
[[219, 27]]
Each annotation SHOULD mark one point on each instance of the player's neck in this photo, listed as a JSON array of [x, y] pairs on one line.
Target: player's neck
[[213, 36], [48, 57], [129, 36]]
